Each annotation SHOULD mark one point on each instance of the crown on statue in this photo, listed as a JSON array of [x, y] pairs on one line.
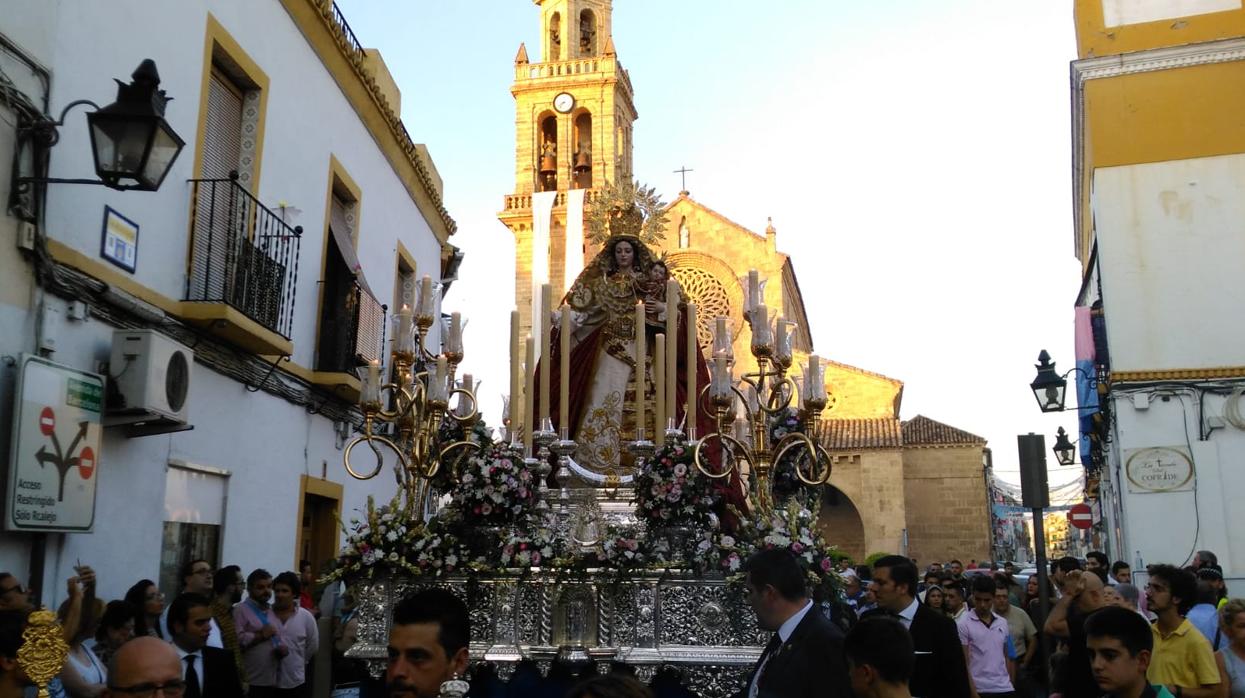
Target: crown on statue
[[626, 209]]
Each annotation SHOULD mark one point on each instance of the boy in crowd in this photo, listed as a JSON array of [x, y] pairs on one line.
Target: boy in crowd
[[1120, 644]]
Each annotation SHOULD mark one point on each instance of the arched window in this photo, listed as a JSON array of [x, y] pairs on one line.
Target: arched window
[[555, 37], [587, 34], [685, 235], [547, 154], [582, 162]]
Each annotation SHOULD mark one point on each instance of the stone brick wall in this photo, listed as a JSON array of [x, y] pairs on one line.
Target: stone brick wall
[[873, 482], [946, 504]]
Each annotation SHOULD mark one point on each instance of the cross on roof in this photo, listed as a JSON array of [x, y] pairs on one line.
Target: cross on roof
[[682, 172]]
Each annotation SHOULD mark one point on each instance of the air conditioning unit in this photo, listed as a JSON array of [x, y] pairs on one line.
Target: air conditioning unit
[[151, 378]]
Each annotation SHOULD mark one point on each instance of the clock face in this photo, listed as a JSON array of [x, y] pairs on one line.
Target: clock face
[[564, 102]]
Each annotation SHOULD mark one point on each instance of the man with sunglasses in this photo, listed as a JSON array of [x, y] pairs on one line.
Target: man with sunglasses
[[13, 596], [145, 667], [196, 577]]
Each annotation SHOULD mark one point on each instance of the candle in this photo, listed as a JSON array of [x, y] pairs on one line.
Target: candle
[[640, 359], [659, 379], [720, 385], [369, 392], [721, 338], [515, 372], [463, 402], [760, 327], [815, 386], [426, 304], [406, 338], [781, 351], [455, 344], [564, 371], [672, 349], [529, 392], [546, 348], [438, 382], [693, 351], [754, 289]]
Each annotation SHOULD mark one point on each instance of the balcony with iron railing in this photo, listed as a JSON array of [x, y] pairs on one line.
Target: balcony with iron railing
[[351, 334], [243, 267]]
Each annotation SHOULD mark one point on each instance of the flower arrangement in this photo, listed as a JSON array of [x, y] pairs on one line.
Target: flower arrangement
[[532, 545], [670, 492], [623, 550], [720, 552], [452, 431], [495, 487], [382, 541], [440, 552], [791, 527]]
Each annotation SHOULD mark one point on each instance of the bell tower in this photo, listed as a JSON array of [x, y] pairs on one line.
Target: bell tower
[[574, 111]]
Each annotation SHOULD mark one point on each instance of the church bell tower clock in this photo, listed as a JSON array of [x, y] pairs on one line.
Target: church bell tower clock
[[574, 111]]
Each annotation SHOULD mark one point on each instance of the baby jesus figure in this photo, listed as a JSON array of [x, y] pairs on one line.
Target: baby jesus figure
[[653, 290]]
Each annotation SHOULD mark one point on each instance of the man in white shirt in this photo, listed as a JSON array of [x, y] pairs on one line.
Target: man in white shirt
[[805, 656]]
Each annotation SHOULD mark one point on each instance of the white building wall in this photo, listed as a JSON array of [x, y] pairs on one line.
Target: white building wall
[[1171, 238], [264, 442]]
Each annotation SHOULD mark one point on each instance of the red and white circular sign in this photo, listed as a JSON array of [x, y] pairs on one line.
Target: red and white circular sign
[[1081, 516], [47, 421], [86, 462]]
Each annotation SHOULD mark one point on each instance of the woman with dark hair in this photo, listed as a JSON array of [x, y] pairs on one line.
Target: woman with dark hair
[[84, 674], [116, 627], [148, 602], [934, 597]]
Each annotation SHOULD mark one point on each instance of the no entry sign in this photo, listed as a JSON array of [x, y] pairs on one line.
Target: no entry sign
[[1081, 516]]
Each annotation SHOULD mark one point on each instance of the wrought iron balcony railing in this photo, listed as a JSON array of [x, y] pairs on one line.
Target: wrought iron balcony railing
[[351, 336], [242, 254]]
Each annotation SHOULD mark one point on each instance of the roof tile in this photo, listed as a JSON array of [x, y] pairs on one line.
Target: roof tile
[[923, 431]]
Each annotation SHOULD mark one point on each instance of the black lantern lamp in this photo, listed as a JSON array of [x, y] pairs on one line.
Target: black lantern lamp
[[1048, 387], [1065, 450], [134, 146]]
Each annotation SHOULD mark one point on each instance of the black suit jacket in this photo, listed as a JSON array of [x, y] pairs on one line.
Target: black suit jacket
[[940, 671], [810, 663], [220, 674]]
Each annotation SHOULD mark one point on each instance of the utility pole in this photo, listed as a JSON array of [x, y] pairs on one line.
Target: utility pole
[[1035, 495]]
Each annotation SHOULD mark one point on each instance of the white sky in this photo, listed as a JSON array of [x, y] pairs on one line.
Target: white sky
[[914, 156]]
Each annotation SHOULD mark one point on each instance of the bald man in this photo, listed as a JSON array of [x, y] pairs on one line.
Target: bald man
[[144, 663], [1083, 594]]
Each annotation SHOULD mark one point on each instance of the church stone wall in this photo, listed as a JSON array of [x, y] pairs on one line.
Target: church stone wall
[[858, 395], [946, 504], [873, 481]]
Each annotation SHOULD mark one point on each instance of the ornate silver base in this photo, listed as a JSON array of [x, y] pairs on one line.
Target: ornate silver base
[[701, 626]]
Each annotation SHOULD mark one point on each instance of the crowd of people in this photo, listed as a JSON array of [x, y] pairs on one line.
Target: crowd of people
[[950, 633], [221, 636]]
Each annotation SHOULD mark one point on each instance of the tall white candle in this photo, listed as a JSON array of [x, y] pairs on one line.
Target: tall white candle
[[456, 333], [659, 368], [754, 288], [370, 390], [672, 349], [406, 337], [760, 327], [427, 305], [781, 351], [529, 393], [641, 357], [546, 348], [515, 360], [564, 370], [815, 387], [464, 404], [721, 338], [693, 352]]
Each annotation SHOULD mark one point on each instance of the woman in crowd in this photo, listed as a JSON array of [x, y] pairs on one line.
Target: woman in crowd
[[116, 627], [933, 598], [146, 598], [84, 674], [1231, 658]]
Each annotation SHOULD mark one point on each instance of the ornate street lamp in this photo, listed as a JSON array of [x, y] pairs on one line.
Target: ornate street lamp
[[1048, 387], [1065, 450], [132, 144], [130, 138]]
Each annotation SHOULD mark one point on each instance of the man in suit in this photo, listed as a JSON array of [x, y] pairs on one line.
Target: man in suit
[[805, 656], [940, 671], [209, 672]]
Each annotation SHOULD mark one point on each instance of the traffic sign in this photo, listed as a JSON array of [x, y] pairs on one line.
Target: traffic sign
[[55, 449], [1081, 516]]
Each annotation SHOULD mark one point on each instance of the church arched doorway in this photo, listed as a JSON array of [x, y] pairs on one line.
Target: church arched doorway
[[840, 523]]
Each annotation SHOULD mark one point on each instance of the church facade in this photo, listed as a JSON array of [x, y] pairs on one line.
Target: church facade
[[915, 487]]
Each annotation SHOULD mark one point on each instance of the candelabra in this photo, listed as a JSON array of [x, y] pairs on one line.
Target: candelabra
[[419, 397], [747, 437]]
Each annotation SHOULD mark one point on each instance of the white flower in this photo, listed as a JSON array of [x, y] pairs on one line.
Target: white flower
[[451, 560], [728, 542], [391, 536]]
